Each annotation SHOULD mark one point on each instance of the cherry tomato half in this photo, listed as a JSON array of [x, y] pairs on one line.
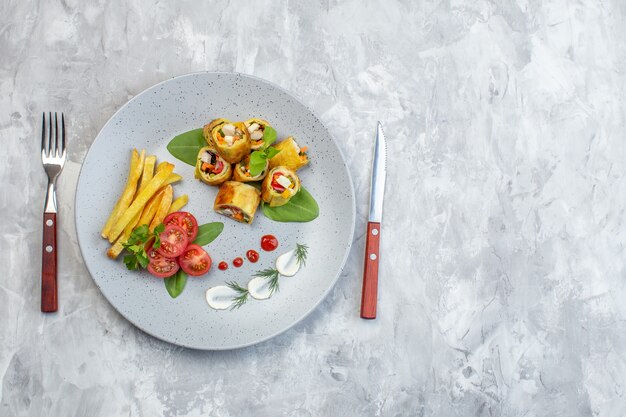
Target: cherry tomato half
[[173, 241], [159, 265], [195, 261], [185, 220]]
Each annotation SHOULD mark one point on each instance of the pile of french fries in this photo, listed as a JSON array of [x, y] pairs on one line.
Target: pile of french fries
[[147, 198]]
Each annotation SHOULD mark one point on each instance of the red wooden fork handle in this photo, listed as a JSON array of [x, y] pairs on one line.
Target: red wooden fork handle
[[49, 264], [369, 295]]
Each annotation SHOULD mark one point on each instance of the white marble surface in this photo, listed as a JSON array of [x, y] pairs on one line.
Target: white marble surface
[[502, 289]]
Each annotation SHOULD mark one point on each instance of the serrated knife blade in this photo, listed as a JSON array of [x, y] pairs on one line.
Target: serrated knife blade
[[369, 295]]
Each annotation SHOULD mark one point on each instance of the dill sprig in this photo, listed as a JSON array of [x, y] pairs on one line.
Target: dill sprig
[[301, 252], [272, 275], [240, 299]]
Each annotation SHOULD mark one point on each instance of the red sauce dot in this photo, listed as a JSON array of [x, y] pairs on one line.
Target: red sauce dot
[[269, 243], [252, 256], [223, 266], [237, 262]]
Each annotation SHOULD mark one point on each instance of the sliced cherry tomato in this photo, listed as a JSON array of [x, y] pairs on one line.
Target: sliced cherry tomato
[[195, 261], [173, 241], [186, 221], [159, 265]]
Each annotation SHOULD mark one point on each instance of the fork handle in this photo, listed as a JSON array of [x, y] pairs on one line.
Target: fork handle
[[49, 264]]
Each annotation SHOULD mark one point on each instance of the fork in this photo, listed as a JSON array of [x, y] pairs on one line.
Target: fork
[[53, 159]]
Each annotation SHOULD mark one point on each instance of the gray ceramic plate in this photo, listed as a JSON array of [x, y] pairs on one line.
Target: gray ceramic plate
[[149, 121]]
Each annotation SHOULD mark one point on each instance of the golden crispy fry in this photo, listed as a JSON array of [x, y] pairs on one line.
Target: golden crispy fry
[[140, 201], [148, 171], [150, 208], [179, 203], [136, 167], [172, 179], [164, 206], [161, 166], [118, 246]]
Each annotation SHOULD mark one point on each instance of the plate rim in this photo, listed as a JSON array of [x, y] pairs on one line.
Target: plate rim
[[333, 281]]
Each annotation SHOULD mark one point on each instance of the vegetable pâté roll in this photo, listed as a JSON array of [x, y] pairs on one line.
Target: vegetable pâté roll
[[291, 155], [279, 186], [238, 201], [232, 141], [208, 128], [211, 168], [256, 128]]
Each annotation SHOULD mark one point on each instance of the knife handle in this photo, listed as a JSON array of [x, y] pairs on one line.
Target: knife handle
[[369, 295], [49, 264]]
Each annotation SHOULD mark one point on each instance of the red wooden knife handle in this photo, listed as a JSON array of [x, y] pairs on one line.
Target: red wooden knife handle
[[49, 264], [369, 295]]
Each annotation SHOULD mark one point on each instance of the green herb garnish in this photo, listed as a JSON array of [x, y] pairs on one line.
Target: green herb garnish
[[135, 245], [259, 158], [242, 298], [301, 252], [176, 283], [272, 275]]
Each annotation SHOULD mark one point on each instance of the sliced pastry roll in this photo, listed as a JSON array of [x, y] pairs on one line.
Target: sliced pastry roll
[[291, 155], [207, 129], [238, 201], [231, 141], [241, 172], [256, 128], [211, 168], [279, 186]]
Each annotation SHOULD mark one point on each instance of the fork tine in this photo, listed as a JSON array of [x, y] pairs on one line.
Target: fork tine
[[43, 134], [63, 134], [56, 135], [49, 150]]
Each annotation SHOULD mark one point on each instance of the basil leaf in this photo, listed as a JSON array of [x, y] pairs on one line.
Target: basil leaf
[[257, 163], [176, 283], [301, 208], [269, 136], [186, 146], [208, 232], [272, 152]]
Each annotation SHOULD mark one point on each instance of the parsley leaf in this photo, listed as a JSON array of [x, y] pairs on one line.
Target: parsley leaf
[[137, 257]]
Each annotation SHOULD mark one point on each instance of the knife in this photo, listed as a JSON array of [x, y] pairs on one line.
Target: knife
[[369, 294]]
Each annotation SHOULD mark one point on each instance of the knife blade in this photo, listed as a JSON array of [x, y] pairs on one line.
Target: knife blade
[[369, 294]]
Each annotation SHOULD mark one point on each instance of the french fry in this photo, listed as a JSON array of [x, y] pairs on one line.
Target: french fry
[[151, 208], [161, 166], [148, 171], [164, 206], [117, 248], [140, 201], [145, 217], [179, 203], [172, 179], [136, 167]]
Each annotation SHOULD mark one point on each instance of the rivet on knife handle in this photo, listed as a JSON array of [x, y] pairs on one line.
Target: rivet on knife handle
[[369, 296]]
